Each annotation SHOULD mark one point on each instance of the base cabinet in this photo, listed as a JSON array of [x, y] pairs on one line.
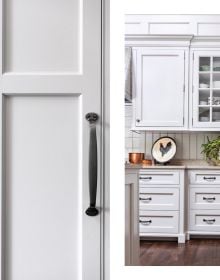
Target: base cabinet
[[156, 205], [161, 203], [204, 202]]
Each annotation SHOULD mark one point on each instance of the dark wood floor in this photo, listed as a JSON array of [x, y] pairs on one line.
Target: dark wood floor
[[200, 252]]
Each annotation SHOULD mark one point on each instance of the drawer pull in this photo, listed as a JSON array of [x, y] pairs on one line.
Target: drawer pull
[[146, 178], [145, 223], [210, 222], [209, 199], [209, 178], [147, 199]]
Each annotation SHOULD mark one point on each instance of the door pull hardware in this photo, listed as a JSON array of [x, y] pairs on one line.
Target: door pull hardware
[[147, 199], [209, 199], [145, 223], [145, 178], [92, 210], [210, 222], [209, 178]]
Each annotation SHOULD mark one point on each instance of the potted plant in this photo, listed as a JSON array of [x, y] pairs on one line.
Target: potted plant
[[211, 150]]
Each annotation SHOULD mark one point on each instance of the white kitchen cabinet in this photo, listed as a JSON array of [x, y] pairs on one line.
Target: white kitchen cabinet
[[176, 71], [161, 203], [206, 89], [160, 80], [158, 222], [204, 202]]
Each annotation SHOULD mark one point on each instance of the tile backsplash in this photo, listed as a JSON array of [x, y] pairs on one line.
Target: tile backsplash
[[188, 143]]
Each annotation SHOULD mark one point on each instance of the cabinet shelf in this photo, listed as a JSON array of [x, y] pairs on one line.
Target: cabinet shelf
[[209, 72], [209, 106]]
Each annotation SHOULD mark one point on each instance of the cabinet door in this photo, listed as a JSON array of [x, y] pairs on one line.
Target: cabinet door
[[160, 88], [206, 89]]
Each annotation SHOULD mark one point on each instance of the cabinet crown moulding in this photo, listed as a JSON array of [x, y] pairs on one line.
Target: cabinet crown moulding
[[172, 40], [158, 40], [159, 37]]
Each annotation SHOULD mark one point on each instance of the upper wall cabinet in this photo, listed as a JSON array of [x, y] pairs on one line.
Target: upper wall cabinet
[[206, 89], [160, 88], [176, 71]]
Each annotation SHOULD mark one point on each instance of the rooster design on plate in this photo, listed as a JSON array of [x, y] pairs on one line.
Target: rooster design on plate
[[165, 150]]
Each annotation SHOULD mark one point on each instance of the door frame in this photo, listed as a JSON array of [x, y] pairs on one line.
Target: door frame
[[105, 200]]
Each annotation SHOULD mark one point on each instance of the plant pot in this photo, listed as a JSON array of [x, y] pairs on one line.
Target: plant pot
[[213, 161]]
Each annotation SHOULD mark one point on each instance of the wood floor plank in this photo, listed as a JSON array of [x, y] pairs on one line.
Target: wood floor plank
[[196, 252]]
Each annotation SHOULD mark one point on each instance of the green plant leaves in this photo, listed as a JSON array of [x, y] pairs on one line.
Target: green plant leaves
[[211, 149]]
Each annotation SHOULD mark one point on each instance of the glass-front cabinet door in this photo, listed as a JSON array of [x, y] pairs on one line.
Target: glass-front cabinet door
[[206, 89]]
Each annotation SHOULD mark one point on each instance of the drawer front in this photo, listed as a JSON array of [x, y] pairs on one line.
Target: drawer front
[[159, 198], [158, 221], [205, 198], [205, 220], [159, 178], [204, 177]]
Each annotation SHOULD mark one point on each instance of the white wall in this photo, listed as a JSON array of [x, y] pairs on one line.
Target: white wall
[[188, 143]]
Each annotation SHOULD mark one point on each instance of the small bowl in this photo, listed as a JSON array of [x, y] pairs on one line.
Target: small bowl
[[136, 157], [205, 68], [147, 161], [203, 102], [202, 85], [216, 84], [204, 119]]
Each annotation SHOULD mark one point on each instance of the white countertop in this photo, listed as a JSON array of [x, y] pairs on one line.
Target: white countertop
[[175, 164]]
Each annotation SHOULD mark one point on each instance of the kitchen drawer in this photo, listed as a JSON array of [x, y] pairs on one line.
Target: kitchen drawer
[[158, 221], [204, 177], [158, 198], [159, 178], [205, 220], [205, 198]]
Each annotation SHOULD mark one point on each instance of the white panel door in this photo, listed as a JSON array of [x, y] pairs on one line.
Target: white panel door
[[160, 88], [50, 79]]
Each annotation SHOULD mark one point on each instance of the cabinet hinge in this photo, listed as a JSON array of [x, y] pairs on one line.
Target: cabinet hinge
[[193, 56], [184, 56], [192, 121], [184, 88], [183, 120]]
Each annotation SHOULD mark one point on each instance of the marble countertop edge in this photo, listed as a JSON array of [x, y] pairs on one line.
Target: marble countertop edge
[[177, 164]]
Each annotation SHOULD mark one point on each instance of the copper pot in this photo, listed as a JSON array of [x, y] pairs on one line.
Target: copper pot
[[136, 157]]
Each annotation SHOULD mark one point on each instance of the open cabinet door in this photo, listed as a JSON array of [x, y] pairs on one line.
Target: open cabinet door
[[51, 153]]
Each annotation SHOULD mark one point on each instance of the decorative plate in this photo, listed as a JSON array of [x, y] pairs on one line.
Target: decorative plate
[[164, 149]]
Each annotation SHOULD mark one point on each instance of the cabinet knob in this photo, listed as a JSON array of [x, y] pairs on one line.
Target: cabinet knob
[[138, 120]]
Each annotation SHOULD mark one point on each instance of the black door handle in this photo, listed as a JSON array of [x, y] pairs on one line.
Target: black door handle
[[92, 210]]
